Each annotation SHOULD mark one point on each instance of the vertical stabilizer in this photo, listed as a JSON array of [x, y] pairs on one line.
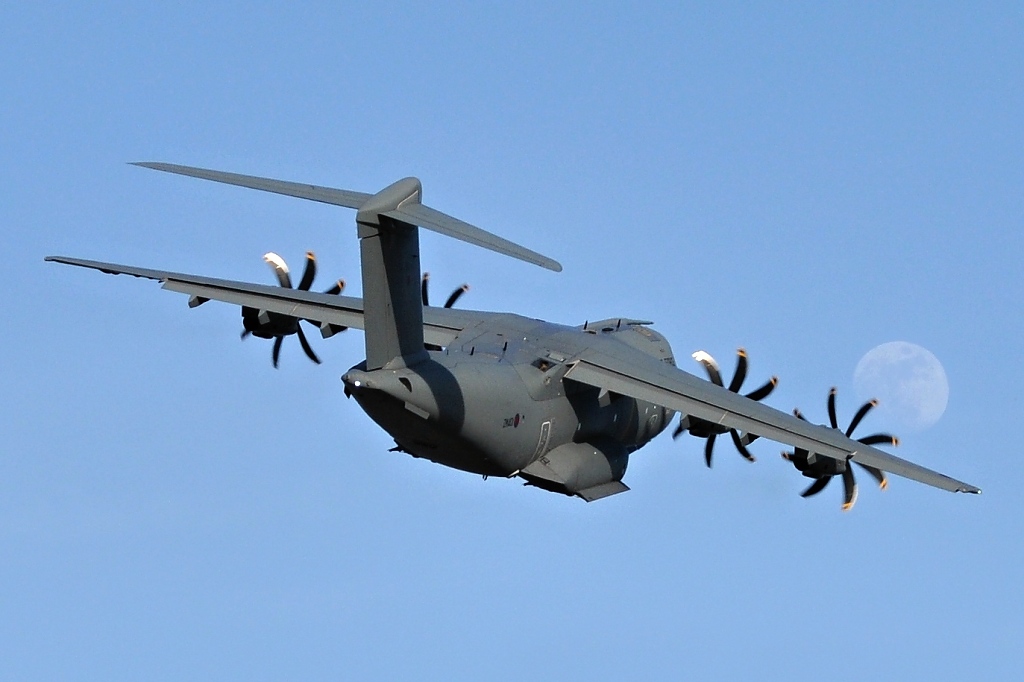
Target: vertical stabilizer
[[390, 253]]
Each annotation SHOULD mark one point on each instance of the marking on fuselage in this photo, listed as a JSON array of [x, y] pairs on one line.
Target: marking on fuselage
[[545, 435], [513, 422]]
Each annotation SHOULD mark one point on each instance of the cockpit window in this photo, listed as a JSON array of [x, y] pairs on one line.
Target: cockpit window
[[543, 364]]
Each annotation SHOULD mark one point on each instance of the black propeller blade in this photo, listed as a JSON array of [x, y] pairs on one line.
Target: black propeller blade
[[276, 326], [452, 298], [709, 431], [822, 469]]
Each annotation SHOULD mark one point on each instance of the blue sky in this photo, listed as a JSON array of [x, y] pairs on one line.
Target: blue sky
[[807, 182]]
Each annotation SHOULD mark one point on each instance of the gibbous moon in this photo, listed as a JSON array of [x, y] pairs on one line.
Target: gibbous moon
[[908, 381]]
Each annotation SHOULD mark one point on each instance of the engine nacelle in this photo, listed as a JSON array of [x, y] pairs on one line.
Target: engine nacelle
[[813, 465], [267, 325]]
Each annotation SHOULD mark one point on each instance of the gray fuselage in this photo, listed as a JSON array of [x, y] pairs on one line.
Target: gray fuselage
[[495, 400]]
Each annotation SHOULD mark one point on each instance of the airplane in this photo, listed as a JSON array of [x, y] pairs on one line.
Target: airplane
[[499, 394]]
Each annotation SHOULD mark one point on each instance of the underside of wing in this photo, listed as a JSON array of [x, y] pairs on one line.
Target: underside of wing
[[328, 310], [663, 384]]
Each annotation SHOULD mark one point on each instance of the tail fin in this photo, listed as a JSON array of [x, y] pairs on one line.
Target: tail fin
[[389, 252]]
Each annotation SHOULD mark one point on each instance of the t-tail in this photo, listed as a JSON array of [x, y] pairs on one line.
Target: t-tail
[[389, 251]]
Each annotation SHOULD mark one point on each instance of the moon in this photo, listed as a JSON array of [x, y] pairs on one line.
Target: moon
[[908, 381]]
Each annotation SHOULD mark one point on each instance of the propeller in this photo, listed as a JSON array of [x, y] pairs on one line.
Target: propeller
[[708, 430], [452, 298], [823, 469], [268, 325]]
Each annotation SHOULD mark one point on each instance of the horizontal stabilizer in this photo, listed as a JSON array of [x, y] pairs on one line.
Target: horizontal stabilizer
[[411, 212], [434, 220], [325, 195]]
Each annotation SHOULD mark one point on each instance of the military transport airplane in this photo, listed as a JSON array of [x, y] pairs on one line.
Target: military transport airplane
[[499, 394]]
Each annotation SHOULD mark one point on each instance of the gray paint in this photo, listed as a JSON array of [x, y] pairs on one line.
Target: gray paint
[[562, 407], [389, 252]]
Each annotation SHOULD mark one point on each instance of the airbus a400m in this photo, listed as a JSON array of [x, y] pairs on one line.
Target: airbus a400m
[[499, 394]]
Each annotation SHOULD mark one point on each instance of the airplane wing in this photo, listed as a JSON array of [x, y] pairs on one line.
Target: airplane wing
[[440, 325], [665, 385]]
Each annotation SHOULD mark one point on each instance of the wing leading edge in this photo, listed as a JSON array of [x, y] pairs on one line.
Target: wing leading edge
[[665, 385], [440, 325]]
